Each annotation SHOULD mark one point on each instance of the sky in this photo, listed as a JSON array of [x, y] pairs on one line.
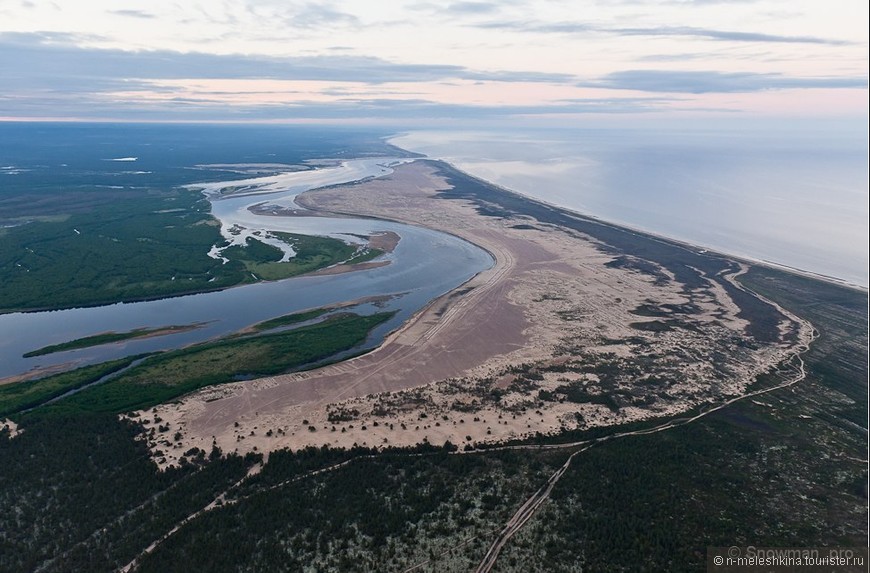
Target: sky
[[416, 62]]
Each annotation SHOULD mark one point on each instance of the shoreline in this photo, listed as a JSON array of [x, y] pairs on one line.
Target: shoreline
[[508, 308], [658, 236], [746, 258]]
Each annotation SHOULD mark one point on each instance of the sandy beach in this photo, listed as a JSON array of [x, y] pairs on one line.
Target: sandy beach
[[561, 333]]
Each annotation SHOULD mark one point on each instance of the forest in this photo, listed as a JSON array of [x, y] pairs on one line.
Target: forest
[[149, 247], [79, 230], [79, 492]]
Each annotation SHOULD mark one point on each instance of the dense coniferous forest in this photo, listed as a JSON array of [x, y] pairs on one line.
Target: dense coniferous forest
[[149, 247], [78, 492]]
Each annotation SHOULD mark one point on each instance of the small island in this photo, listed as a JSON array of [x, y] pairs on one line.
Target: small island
[[111, 337]]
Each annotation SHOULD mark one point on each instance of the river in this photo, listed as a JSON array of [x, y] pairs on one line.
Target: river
[[424, 265]]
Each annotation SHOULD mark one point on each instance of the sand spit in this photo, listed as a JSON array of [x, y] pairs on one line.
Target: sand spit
[[38, 372], [386, 241], [560, 333]]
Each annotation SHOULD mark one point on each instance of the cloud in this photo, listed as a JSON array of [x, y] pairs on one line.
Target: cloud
[[25, 57], [681, 2], [49, 74], [459, 8], [319, 15], [45, 77], [666, 31], [710, 2], [724, 35], [680, 57], [701, 82], [300, 15], [473, 7], [351, 108], [133, 13], [539, 27], [13, 40]]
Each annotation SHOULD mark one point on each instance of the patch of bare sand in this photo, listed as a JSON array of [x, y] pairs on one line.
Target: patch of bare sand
[[550, 338], [38, 372], [386, 241], [7, 425]]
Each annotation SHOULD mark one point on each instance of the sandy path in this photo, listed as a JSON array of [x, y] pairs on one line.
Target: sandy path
[[218, 501]]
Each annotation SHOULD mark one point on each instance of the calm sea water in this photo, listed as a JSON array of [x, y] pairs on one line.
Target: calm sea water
[[794, 197]]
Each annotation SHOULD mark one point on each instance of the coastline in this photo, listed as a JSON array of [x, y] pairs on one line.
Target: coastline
[[436, 333], [687, 243], [684, 243]]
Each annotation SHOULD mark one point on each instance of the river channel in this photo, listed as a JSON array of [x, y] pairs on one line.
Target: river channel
[[424, 265]]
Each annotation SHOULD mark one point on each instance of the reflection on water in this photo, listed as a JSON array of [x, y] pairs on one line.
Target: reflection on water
[[798, 199], [424, 265]]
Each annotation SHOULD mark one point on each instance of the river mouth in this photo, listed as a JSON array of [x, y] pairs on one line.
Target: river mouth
[[424, 265]]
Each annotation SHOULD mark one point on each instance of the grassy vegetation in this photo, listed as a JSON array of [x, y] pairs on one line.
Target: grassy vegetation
[[312, 253], [105, 338], [169, 375], [23, 395], [290, 319], [150, 246], [144, 252]]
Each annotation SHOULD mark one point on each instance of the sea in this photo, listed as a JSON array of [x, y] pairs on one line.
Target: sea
[[792, 196]]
